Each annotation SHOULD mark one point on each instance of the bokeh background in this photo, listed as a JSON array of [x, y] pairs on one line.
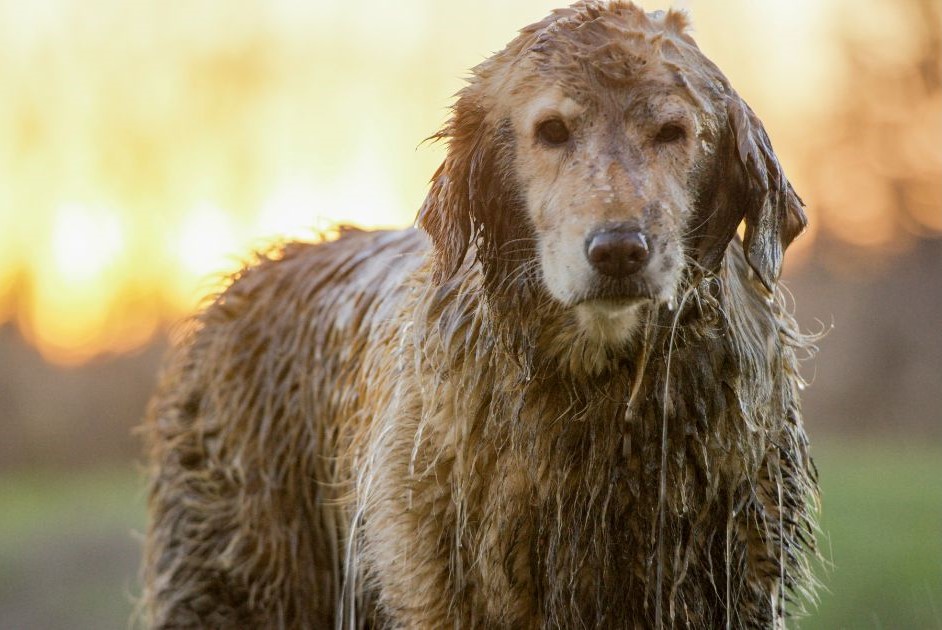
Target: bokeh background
[[147, 148]]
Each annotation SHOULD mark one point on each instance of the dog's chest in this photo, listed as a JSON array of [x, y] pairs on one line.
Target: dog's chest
[[564, 505]]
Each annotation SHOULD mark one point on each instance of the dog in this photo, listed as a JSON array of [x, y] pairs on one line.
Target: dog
[[569, 399]]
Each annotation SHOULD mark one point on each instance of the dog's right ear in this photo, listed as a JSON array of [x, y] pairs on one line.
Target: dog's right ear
[[446, 222], [462, 189]]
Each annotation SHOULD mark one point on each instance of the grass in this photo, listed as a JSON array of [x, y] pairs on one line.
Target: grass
[[69, 556], [35, 502], [881, 528], [68, 548]]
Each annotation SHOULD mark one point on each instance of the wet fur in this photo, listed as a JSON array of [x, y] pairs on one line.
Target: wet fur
[[404, 429]]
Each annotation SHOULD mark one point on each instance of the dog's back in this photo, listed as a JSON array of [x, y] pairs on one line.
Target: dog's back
[[247, 431]]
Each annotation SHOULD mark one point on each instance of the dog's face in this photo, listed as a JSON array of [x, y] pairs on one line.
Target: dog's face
[[607, 179], [604, 151]]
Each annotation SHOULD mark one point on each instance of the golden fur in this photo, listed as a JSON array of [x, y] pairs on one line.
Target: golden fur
[[467, 426]]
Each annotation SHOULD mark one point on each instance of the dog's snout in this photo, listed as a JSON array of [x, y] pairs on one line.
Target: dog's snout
[[617, 252]]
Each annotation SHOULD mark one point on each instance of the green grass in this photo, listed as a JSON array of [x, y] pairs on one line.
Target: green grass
[[881, 532], [68, 548], [35, 502], [69, 556]]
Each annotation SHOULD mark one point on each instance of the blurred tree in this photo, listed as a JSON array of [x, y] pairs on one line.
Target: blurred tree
[[874, 167]]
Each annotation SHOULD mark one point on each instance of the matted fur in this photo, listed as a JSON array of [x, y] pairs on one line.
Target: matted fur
[[413, 430]]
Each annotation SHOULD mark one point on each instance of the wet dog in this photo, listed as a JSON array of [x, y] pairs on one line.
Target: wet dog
[[569, 400]]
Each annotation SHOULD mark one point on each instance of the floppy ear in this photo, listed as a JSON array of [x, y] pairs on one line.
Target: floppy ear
[[469, 200], [447, 213], [747, 182], [447, 222]]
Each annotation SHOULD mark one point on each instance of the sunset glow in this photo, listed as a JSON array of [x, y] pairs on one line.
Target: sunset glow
[[150, 151]]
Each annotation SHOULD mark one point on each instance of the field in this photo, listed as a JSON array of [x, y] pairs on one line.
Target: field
[[882, 534], [69, 544]]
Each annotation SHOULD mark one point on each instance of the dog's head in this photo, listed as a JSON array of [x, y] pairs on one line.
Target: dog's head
[[602, 149]]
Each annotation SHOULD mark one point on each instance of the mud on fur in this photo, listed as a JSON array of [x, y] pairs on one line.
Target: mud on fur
[[570, 399]]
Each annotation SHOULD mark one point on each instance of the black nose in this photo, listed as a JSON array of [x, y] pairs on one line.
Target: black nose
[[617, 252]]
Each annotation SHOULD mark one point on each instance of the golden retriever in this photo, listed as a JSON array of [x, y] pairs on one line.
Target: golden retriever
[[570, 400]]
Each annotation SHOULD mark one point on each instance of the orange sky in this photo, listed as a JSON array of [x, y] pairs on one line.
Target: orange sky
[[150, 149]]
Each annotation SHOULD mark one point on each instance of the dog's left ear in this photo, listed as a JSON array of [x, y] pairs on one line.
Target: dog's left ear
[[748, 183]]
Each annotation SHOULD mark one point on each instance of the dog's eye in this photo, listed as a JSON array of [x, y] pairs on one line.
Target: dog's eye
[[553, 132], [670, 132]]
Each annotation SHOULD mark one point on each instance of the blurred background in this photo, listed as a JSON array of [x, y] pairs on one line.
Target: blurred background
[[149, 147]]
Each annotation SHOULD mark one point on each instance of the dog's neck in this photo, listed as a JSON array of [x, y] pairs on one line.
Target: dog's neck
[[589, 344]]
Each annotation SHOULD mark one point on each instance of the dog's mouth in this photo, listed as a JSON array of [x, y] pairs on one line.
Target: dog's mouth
[[616, 294]]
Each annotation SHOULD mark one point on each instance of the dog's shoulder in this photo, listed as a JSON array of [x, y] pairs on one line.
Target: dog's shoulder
[[301, 280]]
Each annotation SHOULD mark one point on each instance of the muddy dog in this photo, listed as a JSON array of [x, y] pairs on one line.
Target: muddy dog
[[569, 400]]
